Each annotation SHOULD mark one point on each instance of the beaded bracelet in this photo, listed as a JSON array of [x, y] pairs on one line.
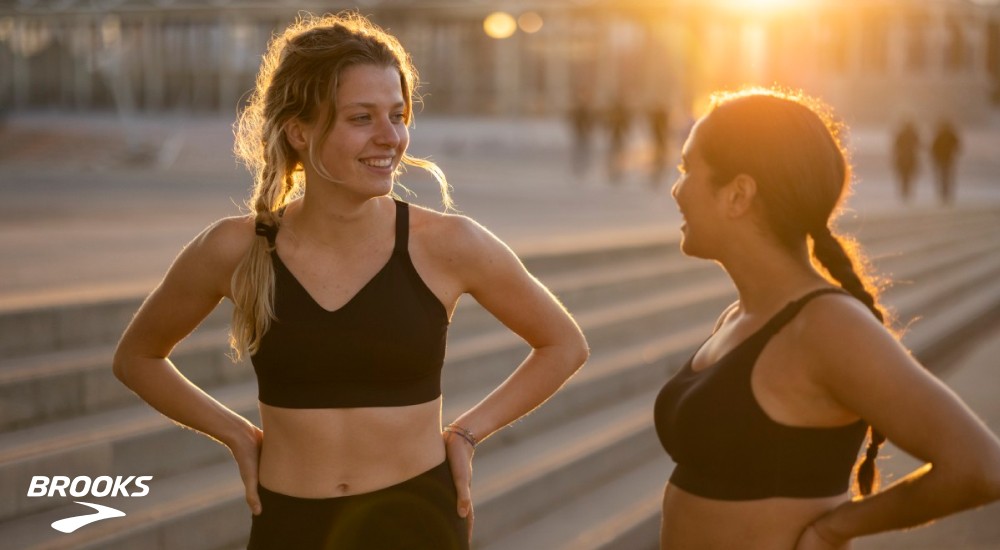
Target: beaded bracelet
[[463, 433]]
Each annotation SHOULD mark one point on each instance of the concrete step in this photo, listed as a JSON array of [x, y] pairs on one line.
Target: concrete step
[[922, 221], [623, 513], [64, 384], [519, 481]]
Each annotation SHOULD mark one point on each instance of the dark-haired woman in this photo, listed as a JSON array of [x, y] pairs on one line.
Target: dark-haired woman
[[766, 420], [342, 299]]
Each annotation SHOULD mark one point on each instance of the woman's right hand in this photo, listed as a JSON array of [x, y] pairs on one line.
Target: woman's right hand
[[459, 453], [246, 451]]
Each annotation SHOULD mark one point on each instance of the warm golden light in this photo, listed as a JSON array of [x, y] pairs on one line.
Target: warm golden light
[[530, 22], [764, 7], [499, 25]]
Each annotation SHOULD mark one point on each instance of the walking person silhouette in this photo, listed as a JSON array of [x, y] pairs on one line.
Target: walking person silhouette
[[905, 148], [944, 150]]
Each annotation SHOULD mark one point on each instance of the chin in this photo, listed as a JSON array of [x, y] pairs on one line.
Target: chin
[[691, 250]]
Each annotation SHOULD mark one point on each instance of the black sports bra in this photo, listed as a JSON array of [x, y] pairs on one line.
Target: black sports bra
[[385, 347], [726, 446]]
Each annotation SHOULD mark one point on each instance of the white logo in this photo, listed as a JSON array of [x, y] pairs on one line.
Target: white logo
[[69, 525], [103, 486]]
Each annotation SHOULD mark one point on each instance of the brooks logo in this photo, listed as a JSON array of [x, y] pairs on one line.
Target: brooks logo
[[80, 486], [69, 525]]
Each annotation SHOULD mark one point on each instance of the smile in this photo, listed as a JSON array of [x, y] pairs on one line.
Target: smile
[[378, 163]]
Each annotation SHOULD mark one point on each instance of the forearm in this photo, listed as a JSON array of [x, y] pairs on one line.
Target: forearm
[[541, 374], [924, 495], [160, 384]]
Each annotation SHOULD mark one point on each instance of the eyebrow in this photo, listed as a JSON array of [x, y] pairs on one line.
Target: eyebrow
[[368, 105]]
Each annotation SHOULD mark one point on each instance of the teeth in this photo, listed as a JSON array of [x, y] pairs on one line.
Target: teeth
[[378, 163]]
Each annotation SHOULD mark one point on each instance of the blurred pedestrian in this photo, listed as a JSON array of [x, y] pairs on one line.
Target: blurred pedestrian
[[342, 296], [766, 419], [659, 127], [905, 148], [618, 121], [582, 119], [944, 150]]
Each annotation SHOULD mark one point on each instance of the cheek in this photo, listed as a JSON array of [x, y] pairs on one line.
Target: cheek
[[404, 139]]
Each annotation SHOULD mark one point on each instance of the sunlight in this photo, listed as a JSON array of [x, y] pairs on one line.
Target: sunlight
[[765, 7], [500, 25]]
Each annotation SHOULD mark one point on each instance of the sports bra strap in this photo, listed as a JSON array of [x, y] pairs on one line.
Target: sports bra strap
[[792, 309], [402, 228]]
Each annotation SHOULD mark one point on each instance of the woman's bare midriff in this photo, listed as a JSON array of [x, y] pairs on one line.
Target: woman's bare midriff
[[320, 453], [691, 522]]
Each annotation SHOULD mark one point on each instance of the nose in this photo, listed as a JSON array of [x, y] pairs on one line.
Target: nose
[[388, 133], [674, 188]]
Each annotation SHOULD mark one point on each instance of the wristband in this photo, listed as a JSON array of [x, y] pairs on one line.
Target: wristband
[[463, 433]]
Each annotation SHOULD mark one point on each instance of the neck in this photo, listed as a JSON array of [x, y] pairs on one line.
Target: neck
[[334, 221], [767, 275]]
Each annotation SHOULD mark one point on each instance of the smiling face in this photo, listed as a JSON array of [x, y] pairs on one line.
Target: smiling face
[[369, 136], [698, 201]]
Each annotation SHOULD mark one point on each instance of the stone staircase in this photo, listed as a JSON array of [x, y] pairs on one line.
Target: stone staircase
[[585, 471]]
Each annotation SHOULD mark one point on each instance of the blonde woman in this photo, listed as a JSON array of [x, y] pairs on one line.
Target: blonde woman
[[343, 296]]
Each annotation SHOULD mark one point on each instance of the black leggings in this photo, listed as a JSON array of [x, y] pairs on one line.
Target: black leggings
[[417, 514]]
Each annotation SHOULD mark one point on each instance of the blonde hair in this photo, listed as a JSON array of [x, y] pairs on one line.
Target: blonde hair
[[298, 81]]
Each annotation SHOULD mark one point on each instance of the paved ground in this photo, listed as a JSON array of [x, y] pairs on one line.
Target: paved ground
[[94, 207]]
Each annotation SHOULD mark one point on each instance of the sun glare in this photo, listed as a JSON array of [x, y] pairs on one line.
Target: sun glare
[[765, 6]]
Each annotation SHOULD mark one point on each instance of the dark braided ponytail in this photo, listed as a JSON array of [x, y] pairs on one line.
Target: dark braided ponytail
[[839, 262], [790, 144]]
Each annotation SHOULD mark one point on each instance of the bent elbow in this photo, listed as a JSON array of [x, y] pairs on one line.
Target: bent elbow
[[583, 353], [119, 366], [578, 351]]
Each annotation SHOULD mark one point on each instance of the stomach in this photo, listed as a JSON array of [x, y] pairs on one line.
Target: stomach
[[691, 522], [321, 453]]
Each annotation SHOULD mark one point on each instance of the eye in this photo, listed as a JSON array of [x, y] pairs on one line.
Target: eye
[[397, 117], [681, 169], [361, 118]]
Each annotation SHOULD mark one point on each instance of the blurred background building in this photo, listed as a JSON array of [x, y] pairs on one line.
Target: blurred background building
[[526, 57]]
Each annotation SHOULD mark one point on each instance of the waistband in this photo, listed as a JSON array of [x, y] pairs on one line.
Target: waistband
[[438, 475]]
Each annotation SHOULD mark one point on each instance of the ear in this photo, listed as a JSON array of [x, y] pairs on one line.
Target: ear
[[739, 195], [297, 134]]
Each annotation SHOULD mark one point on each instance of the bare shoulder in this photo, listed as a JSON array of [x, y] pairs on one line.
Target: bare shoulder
[[226, 241], [210, 259], [841, 338], [451, 236], [835, 314]]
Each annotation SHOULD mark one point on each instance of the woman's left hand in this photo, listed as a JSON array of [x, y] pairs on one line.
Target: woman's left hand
[[811, 540], [460, 453]]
